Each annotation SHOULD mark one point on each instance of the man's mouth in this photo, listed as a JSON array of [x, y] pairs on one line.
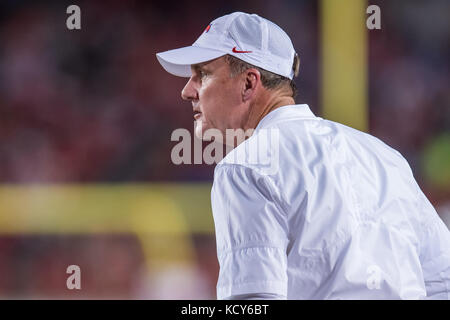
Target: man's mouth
[[197, 114]]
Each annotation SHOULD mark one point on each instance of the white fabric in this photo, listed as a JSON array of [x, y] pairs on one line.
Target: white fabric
[[337, 214], [265, 45], [257, 296]]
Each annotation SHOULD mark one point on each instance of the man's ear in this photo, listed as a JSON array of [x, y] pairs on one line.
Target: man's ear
[[252, 78]]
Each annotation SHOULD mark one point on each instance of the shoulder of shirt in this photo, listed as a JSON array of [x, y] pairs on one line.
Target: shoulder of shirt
[[254, 154], [261, 151], [278, 132]]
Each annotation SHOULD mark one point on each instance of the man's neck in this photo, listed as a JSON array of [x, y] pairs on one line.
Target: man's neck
[[259, 110]]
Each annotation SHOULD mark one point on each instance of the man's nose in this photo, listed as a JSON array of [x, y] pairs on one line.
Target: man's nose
[[189, 92]]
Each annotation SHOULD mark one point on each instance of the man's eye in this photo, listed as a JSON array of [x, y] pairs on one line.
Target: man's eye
[[203, 74]]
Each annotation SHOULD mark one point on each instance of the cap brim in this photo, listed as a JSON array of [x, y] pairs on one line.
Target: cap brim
[[178, 61]]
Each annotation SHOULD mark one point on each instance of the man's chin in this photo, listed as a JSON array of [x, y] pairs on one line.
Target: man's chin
[[205, 133], [200, 134], [199, 129]]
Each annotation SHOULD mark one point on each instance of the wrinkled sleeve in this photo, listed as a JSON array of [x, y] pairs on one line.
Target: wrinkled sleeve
[[257, 296], [251, 233], [435, 253]]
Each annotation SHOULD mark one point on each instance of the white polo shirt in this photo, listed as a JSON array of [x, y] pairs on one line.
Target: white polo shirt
[[307, 208]]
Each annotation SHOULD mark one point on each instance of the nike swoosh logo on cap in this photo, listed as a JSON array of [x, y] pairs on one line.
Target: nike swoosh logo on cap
[[239, 51]]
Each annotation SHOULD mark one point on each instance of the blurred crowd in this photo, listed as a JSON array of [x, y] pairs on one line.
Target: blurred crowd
[[94, 105]]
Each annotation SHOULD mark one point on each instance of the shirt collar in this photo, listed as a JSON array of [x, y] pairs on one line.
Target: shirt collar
[[294, 111]]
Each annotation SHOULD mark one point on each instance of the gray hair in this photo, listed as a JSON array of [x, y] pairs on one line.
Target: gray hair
[[269, 79]]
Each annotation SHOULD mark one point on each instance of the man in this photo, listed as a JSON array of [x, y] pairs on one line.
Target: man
[[339, 216]]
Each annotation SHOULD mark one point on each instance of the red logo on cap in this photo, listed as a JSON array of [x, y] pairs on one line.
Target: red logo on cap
[[239, 51], [207, 28]]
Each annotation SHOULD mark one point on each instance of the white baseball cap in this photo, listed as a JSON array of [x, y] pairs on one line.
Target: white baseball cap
[[248, 37]]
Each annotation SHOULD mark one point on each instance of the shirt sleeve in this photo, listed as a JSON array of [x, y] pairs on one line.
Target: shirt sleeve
[[435, 252], [251, 233], [257, 296]]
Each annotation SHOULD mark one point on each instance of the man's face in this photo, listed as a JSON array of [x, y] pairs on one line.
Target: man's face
[[216, 97]]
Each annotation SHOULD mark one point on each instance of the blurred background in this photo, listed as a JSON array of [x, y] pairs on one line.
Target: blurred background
[[86, 117]]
